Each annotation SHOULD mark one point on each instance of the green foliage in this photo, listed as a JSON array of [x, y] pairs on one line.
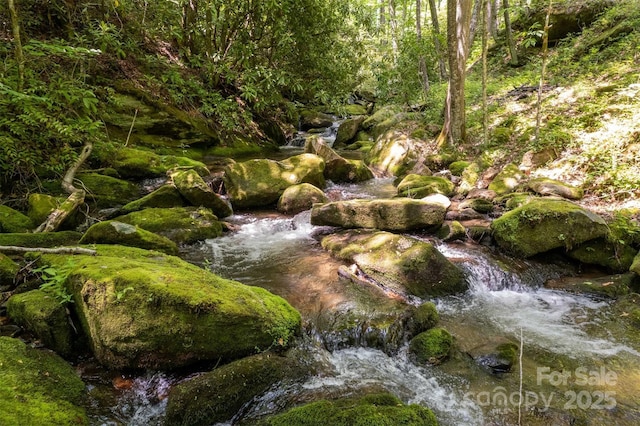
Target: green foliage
[[55, 281]]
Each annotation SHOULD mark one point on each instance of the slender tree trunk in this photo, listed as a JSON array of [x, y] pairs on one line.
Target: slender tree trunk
[[442, 68], [17, 41], [510, 42], [474, 21], [494, 7], [545, 45], [422, 63], [393, 24], [458, 20], [485, 48]]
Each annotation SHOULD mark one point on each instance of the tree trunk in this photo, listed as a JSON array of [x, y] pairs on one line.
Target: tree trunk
[[545, 46], [458, 20], [442, 68], [485, 48], [422, 63], [393, 24], [15, 27], [510, 42], [473, 26]]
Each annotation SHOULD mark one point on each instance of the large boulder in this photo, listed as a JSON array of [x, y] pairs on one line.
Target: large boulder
[[13, 221], [431, 346], [131, 163], [193, 188], [546, 224], [546, 186], [348, 130], [392, 154], [143, 309], [310, 119], [507, 180], [615, 257], [337, 168], [108, 191], [399, 263], [298, 198], [40, 239], [116, 232], [41, 206], [216, 396], [8, 270], [182, 225], [38, 387], [419, 186], [258, 183], [166, 196], [397, 214]]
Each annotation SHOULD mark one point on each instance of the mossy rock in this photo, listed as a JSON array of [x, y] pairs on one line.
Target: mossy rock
[[497, 357], [469, 179], [423, 318], [337, 168], [310, 119], [42, 314], [397, 262], [116, 232], [143, 309], [514, 200], [397, 214], [480, 205], [12, 221], [507, 180], [452, 231], [615, 257], [418, 186], [371, 410], [108, 191], [393, 153], [41, 206], [37, 387], [355, 109], [8, 270], [542, 225], [457, 167], [259, 183], [348, 130], [216, 396], [134, 163], [635, 266], [610, 286], [431, 347], [545, 186], [299, 198], [193, 188], [182, 225], [167, 196], [40, 239], [386, 113]]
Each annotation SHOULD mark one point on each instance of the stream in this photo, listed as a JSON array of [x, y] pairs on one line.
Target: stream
[[561, 333]]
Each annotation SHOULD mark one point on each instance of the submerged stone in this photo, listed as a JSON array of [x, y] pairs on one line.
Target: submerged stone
[[143, 309], [542, 225], [397, 214], [116, 232], [612, 286], [12, 221], [37, 387]]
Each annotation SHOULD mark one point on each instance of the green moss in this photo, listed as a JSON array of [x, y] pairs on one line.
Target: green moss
[[166, 196], [41, 206], [41, 239], [108, 191], [371, 410], [546, 186], [116, 232], [193, 188], [458, 167], [615, 257], [143, 309], [635, 266], [42, 314], [470, 177], [507, 180], [452, 231], [298, 198], [183, 225], [431, 346], [8, 270], [418, 186], [514, 200], [13, 221], [354, 109], [138, 164], [480, 205], [218, 395], [509, 352], [37, 387], [424, 318]]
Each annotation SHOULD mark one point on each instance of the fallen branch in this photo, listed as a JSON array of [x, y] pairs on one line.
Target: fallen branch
[[56, 250]]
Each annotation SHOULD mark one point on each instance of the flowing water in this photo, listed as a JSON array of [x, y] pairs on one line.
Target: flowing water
[[506, 301]]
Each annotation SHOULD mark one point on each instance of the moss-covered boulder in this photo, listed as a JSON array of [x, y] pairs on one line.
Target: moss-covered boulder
[[611, 286], [337, 168], [216, 396], [182, 225], [13, 221], [419, 186], [392, 154], [143, 309], [8, 270], [397, 214], [258, 183], [108, 191], [469, 179], [385, 113], [116, 232], [480, 205], [452, 231], [132, 163], [431, 347], [457, 167], [348, 130], [42, 314], [542, 225], [615, 257], [514, 200], [497, 356], [397, 262], [355, 109], [507, 180], [193, 188], [166, 196], [40, 239], [298, 198], [546, 186], [37, 387], [635, 266], [310, 119], [423, 318], [370, 410], [40, 207]]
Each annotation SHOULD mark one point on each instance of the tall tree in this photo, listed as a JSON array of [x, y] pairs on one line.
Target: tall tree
[[511, 44], [458, 21], [17, 41], [442, 68], [422, 63]]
